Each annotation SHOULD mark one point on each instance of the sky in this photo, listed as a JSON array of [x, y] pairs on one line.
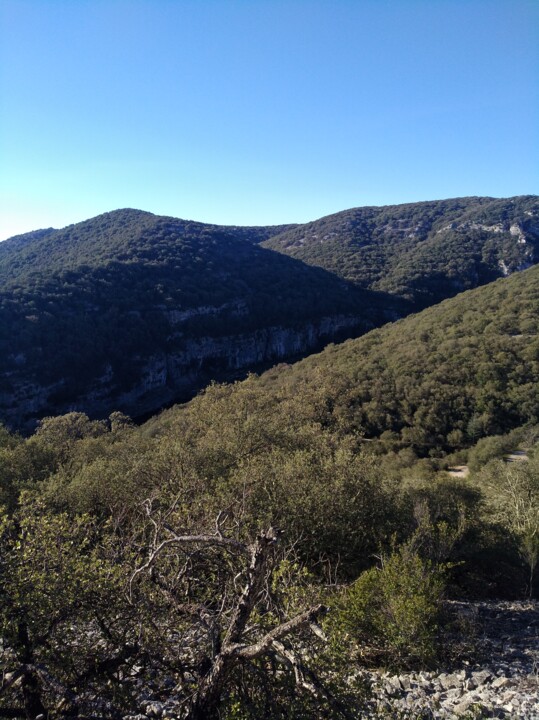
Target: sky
[[257, 112]]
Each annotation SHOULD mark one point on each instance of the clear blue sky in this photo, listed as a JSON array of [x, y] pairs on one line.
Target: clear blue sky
[[262, 111]]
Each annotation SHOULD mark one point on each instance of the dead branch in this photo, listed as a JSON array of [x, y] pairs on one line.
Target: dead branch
[[305, 619]]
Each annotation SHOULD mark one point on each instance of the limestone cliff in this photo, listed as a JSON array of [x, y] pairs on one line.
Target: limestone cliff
[[165, 377]]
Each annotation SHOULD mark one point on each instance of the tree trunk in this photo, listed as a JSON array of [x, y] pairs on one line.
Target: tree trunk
[[208, 698], [30, 685]]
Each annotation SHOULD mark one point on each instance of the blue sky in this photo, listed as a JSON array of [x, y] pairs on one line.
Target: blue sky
[[262, 111]]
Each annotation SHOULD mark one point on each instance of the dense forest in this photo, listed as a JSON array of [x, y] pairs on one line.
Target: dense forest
[[131, 311], [465, 368], [242, 555], [422, 252], [116, 303]]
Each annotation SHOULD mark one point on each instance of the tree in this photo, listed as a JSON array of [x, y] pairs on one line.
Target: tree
[[91, 613], [217, 593], [58, 599], [514, 496]]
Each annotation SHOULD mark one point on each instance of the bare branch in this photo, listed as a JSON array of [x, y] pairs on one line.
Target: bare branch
[[256, 574], [11, 678], [305, 619], [216, 539]]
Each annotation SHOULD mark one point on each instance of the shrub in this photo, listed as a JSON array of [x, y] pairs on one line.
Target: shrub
[[392, 612]]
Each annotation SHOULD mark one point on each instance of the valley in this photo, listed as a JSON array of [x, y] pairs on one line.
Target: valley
[[352, 532], [130, 311]]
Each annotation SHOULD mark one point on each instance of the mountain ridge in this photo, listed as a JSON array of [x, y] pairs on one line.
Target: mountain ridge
[[131, 310], [422, 252]]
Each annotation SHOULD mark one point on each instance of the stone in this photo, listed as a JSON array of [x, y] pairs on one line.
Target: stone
[[449, 681], [463, 707], [393, 686], [405, 682], [482, 677]]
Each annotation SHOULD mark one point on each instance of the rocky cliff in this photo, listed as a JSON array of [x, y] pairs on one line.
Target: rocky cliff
[[165, 377]]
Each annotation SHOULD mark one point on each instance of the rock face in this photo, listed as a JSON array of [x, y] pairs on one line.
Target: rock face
[[169, 376], [502, 683]]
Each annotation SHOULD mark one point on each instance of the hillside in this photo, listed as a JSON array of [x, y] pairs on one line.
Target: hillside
[[337, 449], [122, 235], [130, 310], [134, 311], [441, 379], [308, 502], [423, 252]]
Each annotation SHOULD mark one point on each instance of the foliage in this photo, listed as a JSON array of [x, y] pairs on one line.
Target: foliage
[[514, 497], [143, 556], [59, 611], [422, 252], [88, 615], [391, 613], [85, 308], [469, 364]]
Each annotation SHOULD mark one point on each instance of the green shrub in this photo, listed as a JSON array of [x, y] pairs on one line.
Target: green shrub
[[392, 612]]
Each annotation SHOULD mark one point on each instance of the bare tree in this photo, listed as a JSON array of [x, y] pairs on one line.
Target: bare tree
[[239, 626], [514, 489]]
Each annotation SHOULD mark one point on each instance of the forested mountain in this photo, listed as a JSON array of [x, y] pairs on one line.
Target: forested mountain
[[130, 310], [122, 235], [441, 379], [464, 368], [425, 251], [185, 567]]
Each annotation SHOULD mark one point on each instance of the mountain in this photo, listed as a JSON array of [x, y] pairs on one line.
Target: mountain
[[134, 311], [435, 381], [130, 311], [123, 235], [422, 252]]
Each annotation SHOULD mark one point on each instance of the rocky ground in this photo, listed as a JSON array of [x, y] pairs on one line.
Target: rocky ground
[[502, 682], [497, 675]]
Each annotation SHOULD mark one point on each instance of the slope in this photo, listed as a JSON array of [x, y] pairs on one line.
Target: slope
[[130, 310], [423, 252], [463, 369]]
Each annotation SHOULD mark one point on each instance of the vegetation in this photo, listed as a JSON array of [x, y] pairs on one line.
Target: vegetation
[[117, 308], [421, 252], [514, 497], [439, 381], [241, 556], [149, 558], [394, 610], [92, 304]]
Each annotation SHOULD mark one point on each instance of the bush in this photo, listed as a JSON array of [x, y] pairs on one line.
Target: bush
[[489, 448], [392, 612]]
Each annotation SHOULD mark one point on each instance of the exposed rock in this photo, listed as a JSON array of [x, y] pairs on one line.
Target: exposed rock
[[504, 683], [154, 709], [167, 377]]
